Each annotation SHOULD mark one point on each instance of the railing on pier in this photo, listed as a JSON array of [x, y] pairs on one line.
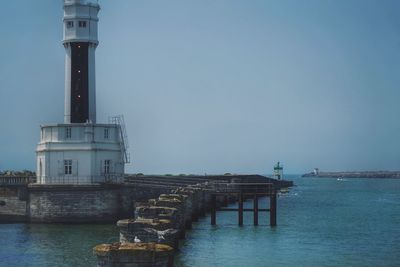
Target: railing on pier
[[169, 180], [244, 188], [243, 191], [16, 180], [81, 180]]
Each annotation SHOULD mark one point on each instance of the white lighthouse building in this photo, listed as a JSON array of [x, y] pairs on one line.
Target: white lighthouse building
[[81, 151]]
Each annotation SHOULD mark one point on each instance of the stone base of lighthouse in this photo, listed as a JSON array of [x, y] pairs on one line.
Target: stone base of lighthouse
[[74, 203], [80, 154]]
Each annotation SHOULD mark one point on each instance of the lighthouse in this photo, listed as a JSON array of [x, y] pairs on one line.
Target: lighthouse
[[80, 42], [278, 171], [80, 150]]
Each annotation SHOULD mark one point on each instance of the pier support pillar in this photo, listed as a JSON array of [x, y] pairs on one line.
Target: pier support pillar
[[213, 209], [240, 209], [255, 210], [272, 207], [225, 201]]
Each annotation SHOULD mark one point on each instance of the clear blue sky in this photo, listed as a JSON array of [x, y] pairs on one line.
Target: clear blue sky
[[217, 85]]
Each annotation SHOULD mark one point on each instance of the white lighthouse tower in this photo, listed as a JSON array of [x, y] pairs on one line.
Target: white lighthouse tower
[[80, 42], [81, 151]]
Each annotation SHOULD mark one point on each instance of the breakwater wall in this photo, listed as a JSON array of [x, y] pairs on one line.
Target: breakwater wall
[[22, 201], [163, 220], [356, 174]]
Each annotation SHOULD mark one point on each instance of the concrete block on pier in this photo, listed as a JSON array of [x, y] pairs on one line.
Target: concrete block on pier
[[173, 203], [193, 201], [156, 212], [148, 230], [133, 255], [129, 228], [186, 204]]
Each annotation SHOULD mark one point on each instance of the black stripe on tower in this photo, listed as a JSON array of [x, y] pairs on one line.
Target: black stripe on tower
[[79, 82]]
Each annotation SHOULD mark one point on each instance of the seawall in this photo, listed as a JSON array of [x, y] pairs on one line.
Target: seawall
[[356, 174]]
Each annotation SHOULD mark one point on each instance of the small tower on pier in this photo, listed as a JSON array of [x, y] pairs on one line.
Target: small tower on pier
[[81, 151], [278, 171]]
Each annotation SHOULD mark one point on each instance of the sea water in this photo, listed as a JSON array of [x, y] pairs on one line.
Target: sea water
[[321, 222]]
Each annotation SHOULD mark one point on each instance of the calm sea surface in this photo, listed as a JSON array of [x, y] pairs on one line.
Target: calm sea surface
[[321, 222]]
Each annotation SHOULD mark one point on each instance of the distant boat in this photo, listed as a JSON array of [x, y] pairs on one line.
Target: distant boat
[[284, 190]]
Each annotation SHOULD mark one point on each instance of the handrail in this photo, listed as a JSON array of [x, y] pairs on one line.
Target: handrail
[[16, 180], [107, 178], [119, 121], [243, 187]]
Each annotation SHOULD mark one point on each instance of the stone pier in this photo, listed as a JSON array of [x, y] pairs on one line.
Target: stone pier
[[163, 219]]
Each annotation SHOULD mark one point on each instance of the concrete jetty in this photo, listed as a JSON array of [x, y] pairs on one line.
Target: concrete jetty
[[22, 200]]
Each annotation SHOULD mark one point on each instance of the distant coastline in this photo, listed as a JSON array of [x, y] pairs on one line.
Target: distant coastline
[[356, 174]]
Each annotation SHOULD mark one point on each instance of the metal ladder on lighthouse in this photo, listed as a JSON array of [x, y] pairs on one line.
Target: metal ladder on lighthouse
[[119, 121]]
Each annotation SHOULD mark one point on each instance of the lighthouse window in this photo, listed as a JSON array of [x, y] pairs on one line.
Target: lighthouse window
[[68, 166], [68, 133], [106, 133], [70, 24], [107, 164], [82, 24]]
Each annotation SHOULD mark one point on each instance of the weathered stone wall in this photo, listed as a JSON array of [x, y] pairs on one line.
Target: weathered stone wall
[[74, 203], [127, 197], [13, 204]]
